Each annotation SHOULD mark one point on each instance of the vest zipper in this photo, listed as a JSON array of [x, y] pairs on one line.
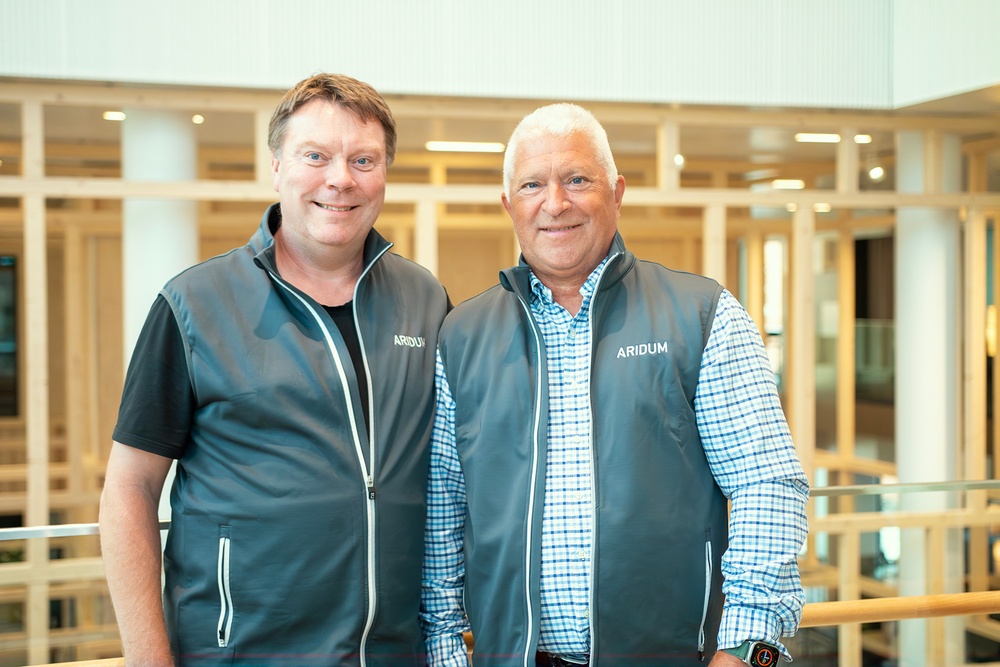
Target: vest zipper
[[225, 595], [367, 476], [372, 590], [529, 660]]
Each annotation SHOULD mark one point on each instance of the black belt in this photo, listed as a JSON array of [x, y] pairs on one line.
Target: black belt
[[550, 660]]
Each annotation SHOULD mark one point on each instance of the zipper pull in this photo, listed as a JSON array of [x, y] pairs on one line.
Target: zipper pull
[[371, 488]]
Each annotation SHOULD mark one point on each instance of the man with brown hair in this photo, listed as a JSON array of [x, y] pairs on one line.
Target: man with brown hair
[[292, 380]]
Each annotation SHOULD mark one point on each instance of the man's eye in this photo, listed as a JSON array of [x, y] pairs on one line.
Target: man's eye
[[315, 157], [529, 186], [577, 180]]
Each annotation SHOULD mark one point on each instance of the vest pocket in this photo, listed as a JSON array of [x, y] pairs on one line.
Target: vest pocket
[[225, 596], [708, 590]]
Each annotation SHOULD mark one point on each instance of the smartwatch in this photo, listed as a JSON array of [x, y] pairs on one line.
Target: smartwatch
[[756, 653]]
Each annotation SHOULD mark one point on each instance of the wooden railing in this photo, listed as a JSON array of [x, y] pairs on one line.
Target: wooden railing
[[847, 614], [819, 614], [876, 610]]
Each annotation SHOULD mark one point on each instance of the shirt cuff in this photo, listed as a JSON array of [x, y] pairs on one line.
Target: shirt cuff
[[740, 624], [447, 651]]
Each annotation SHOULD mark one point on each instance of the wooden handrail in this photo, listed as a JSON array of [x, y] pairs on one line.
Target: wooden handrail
[[874, 610], [816, 614]]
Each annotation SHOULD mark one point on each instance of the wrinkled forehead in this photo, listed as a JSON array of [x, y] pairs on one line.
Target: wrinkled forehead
[[566, 151]]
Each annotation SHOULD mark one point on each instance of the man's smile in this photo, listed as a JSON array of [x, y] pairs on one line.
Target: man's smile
[[330, 207]]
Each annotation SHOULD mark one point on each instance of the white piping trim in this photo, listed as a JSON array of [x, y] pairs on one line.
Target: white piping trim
[[225, 595], [534, 477], [365, 474], [593, 458], [371, 475]]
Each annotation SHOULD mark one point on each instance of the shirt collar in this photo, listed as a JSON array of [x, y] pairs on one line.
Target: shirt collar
[[542, 295]]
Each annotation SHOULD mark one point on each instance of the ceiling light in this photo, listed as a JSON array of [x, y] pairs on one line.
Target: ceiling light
[[817, 138], [829, 138], [791, 208], [822, 208], [197, 119], [113, 115], [465, 146], [876, 173], [679, 161], [788, 184]]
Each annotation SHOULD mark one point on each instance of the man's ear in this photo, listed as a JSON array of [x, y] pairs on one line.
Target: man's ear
[[275, 168]]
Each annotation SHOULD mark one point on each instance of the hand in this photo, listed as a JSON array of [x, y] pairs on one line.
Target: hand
[[723, 659]]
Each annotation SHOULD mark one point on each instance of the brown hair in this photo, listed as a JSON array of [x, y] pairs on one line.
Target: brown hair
[[355, 96]]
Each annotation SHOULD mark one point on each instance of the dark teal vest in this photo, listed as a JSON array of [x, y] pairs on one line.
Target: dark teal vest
[[661, 521], [271, 484]]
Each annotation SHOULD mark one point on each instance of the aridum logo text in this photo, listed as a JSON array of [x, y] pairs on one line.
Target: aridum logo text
[[641, 349], [408, 341]]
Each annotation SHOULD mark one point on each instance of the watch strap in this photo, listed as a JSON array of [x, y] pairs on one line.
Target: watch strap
[[741, 651]]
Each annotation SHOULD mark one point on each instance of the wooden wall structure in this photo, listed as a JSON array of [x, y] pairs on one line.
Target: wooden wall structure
[[60, 216]]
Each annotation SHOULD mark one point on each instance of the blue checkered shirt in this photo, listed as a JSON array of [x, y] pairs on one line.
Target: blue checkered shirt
[[748, 448]]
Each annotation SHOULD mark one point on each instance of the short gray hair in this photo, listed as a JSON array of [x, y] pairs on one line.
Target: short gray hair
[[560, 120]]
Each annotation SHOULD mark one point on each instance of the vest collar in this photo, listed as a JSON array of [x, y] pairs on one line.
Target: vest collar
[[517, 279], [262, 242]]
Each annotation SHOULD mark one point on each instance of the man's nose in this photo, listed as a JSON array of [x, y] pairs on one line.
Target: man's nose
[[555, 199], [338, 175]]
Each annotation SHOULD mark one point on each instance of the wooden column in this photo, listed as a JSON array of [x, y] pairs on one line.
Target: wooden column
[[425, 241], [845, 402], [668, 144], [801, 367], [849, 588], [713, 244], [755, 278], [848, 162], [36, 384], [262, 154], [974, 389]]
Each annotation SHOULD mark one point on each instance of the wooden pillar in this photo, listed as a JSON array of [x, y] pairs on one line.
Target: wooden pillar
[[845, 402], [755, 278], [713, 245], [849, 588], [425, 241], [36, 385], [848, 162], [262, 153], [75, 338], [802, 338], [668, 144], [974, 390]]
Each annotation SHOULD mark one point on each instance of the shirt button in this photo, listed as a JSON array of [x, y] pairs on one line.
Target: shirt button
[[581, 554], [571, 334], [577, 439], [580, 495], [586, 613]]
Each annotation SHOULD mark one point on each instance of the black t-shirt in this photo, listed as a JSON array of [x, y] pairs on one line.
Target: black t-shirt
[[158, 403]]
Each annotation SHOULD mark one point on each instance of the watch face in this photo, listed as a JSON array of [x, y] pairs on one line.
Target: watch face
[[763, 655]]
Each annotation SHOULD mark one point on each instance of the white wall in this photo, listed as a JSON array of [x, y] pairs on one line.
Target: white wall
[[944, 48], [815, 53]]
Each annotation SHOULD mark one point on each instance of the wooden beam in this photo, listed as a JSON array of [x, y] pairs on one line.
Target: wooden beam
[[821, 614]]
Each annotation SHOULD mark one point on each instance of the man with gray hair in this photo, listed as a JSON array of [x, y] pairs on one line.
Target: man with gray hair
[[595, 416]]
